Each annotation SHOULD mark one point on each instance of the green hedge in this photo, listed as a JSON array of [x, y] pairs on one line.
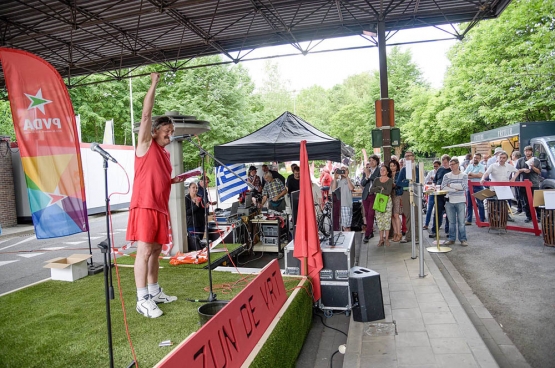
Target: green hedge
[[286, 341]]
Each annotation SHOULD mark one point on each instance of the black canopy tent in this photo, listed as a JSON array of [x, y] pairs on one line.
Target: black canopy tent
[[280, 141]]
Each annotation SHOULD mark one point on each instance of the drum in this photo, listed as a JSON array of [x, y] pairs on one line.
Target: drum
[[548, 227], [497, 214]]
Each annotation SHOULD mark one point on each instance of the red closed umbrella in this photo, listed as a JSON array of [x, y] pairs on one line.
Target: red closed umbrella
[[307, 243]]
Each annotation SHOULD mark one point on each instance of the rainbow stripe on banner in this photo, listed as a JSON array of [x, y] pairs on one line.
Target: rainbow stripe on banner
[[230, 185], [47, 137]]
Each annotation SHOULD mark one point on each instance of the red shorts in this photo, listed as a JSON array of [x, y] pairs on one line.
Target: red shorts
[[147, 225]]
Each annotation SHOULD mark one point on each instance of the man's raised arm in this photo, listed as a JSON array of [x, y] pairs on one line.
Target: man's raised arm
[[145, 129]]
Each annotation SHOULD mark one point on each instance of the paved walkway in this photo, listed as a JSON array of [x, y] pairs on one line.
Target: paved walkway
[[426, 325]]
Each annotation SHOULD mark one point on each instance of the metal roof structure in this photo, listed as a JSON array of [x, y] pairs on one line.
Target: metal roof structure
[[83, 37]]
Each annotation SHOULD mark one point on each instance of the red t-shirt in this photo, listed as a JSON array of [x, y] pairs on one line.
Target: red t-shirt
[[326, 179], [152, 184]]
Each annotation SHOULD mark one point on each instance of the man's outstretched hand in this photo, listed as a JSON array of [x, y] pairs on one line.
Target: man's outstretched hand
[[155, 78]]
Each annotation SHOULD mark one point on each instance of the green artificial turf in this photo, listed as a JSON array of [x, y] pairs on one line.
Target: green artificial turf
[[214, 256], [63, 324]]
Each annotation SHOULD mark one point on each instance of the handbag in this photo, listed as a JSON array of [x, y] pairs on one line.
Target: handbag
[[380, 203]]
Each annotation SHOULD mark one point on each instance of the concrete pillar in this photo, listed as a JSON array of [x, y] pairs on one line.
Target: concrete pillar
[[177, 200]]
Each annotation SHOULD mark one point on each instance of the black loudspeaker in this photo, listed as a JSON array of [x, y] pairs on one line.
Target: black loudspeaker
[[366, 294]]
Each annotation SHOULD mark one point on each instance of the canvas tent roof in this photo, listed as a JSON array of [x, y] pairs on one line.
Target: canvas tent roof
[[280, 141]]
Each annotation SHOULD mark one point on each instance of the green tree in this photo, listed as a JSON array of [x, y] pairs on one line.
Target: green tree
[[404, 79], [6, 122], [221, 95], [500, 74], [354, 100], [352, 107], [97, 103], [275, 93], [313, 105]]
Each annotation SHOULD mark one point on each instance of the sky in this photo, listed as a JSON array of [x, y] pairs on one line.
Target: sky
[[331, 68]]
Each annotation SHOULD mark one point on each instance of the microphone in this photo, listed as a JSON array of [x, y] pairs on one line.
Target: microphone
[[176, 137], [96, 148]]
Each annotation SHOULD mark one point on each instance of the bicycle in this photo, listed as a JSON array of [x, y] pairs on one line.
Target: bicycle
[[324, 219]]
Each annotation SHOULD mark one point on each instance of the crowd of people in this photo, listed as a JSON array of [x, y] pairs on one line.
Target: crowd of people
[[389, 180], [450, 178]]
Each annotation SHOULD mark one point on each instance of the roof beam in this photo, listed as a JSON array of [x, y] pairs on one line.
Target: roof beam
[[184, 21]]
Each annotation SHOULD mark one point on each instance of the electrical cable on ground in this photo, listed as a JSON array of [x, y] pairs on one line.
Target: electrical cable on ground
[[331, 359], [324, 323]]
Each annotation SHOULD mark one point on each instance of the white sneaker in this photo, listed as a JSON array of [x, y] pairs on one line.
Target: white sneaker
[[163, 298], [148, 308]]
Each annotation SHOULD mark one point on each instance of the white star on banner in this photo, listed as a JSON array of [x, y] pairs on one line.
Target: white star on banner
[[37, 101]]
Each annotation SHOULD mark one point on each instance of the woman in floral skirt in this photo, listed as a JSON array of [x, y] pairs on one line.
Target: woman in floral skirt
[[384, 185]]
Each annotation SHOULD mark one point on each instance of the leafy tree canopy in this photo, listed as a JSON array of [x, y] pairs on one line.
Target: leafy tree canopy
[[500, 74]]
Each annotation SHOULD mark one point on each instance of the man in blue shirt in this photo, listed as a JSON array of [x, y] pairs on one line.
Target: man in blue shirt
[[403, 182], [475, 171]]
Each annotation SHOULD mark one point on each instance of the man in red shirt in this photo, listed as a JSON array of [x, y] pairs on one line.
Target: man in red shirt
[[149, 212]]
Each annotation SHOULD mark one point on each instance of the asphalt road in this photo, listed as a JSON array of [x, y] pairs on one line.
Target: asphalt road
[[513, 275], [22, 258]]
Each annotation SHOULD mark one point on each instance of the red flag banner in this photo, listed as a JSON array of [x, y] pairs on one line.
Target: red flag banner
[[307, 243], [46, 133]]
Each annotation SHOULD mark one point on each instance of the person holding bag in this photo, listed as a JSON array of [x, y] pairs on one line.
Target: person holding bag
[[370, 173], [383, 187]]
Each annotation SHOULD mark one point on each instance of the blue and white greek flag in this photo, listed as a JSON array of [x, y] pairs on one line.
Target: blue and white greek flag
[[228, 184]]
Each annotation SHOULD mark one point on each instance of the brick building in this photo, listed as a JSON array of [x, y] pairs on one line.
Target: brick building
[[8, 214]]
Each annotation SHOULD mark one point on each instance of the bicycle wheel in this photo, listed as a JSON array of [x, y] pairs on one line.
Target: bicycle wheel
[[324, 225]]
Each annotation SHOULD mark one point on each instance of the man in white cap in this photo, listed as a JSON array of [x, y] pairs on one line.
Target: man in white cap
[[495, 157]]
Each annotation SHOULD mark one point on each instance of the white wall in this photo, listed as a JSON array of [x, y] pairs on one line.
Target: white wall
[[93, 172]]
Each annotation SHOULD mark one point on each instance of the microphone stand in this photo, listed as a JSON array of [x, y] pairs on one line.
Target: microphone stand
[[106, 248], [93, 267], [203, 154], [108, 239], [211, 295]]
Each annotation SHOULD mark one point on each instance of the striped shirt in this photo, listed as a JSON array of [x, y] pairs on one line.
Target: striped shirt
[[456, 185]]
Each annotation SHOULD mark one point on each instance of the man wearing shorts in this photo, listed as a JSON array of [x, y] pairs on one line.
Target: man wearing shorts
[[149, 213]]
